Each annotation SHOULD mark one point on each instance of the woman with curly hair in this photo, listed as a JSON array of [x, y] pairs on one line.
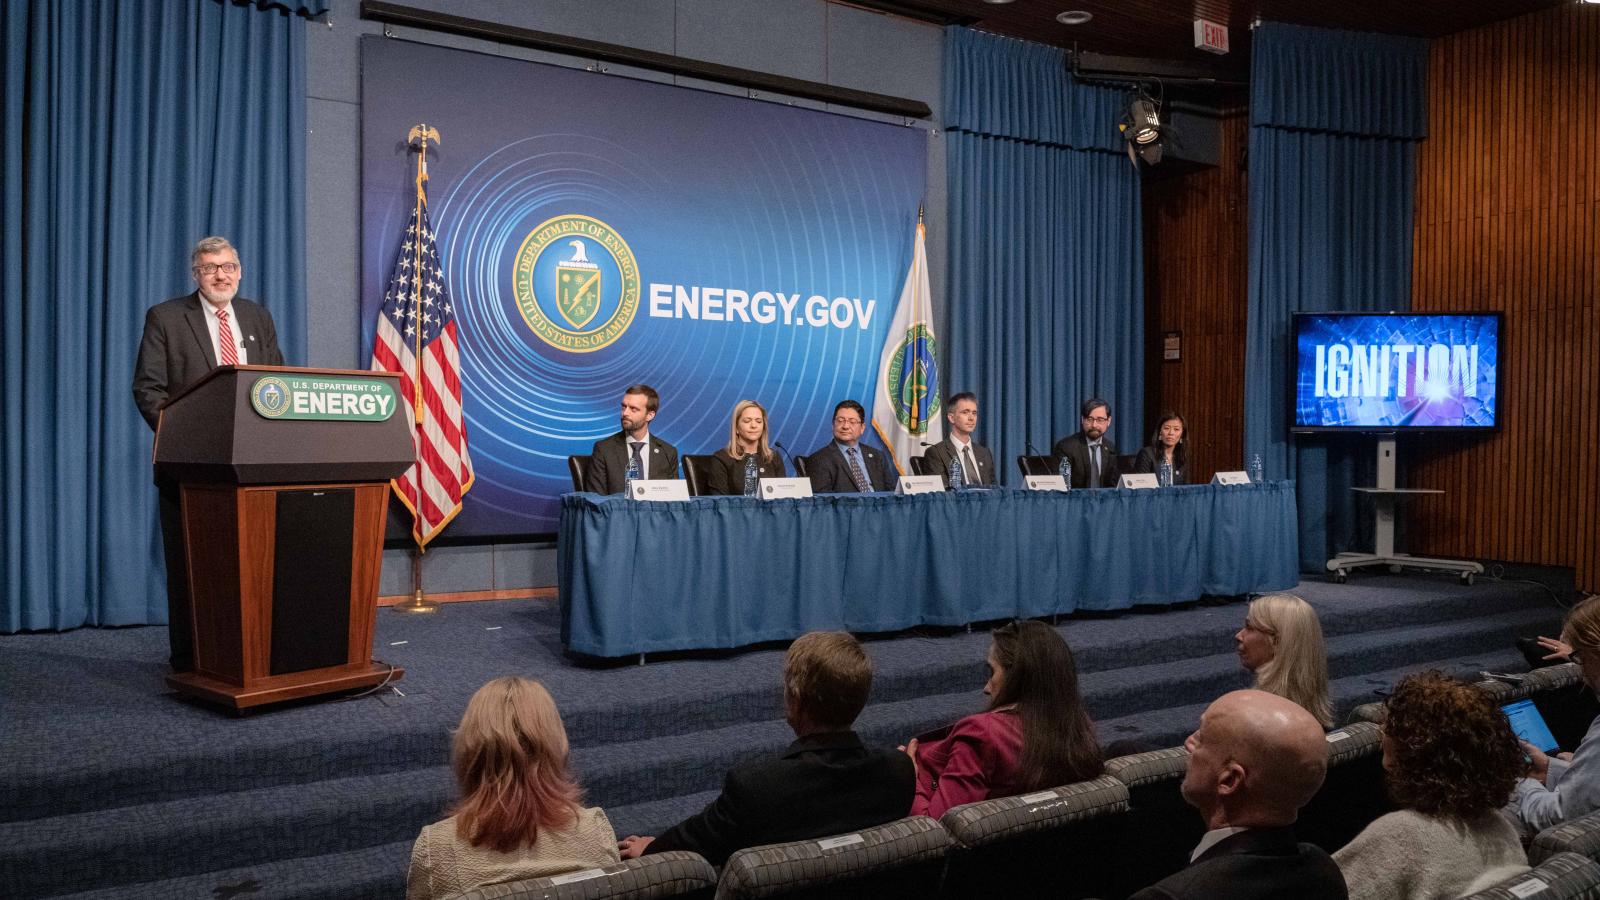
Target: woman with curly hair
[[1558, 790], [520, 813], [1281, 642], [1450, 761]]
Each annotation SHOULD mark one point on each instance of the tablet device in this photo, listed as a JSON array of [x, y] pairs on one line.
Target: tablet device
[[1529, 725]]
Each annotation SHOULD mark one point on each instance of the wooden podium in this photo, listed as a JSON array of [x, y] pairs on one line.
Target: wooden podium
[[284, 478]]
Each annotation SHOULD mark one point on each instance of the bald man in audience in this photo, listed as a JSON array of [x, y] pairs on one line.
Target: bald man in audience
[[1255, 760]]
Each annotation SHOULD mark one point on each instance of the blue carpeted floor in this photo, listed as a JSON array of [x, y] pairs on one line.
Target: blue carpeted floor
[[114, 787]]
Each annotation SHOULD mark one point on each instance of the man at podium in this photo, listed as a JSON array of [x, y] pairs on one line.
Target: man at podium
[[184, 338]]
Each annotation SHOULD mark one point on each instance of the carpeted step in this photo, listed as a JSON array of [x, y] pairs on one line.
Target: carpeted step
[[371, 873]]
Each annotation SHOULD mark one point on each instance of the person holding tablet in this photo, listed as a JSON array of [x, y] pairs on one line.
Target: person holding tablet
[[1558, 790], [1450, 762], [747, 438]]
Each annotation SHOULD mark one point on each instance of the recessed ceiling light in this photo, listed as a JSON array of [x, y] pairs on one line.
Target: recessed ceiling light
[[999, 2], [1074, 17]]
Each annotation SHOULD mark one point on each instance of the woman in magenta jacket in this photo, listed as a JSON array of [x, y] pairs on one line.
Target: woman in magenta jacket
[[1034, 735]]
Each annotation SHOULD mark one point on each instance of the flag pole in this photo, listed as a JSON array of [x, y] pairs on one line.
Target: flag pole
[[419, 137]]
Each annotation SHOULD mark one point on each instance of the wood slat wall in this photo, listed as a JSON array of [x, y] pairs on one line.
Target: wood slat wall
[[1508, 218], [1196, 280]]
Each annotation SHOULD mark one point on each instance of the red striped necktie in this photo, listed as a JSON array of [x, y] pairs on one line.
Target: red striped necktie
[[230, 353]]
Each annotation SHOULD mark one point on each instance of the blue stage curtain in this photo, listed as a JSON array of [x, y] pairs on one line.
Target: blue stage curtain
[[1334, 120], [1046, 285], [131, 131]]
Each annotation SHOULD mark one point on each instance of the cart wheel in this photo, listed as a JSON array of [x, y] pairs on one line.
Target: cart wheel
[[1340, 577], [1466, 578]]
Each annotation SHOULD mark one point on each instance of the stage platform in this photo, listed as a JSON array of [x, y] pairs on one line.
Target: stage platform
[[112, 786]]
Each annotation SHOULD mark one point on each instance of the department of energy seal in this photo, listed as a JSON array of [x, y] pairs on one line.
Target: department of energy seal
[[270, 397], [577, 283], [911, 389]]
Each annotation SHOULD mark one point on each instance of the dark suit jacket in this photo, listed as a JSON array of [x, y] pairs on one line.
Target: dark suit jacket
[[824, 784], [176, 350], [940, 454], [608, 467], [1260, 863], [727, 472], [1147, 463], [829, 471], [1076, 448]]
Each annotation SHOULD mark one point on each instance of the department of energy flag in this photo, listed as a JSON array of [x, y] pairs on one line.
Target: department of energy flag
[[418, 321], [905, 406]]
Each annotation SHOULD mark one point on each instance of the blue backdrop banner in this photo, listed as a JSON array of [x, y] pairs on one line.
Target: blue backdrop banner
[[600, 231]]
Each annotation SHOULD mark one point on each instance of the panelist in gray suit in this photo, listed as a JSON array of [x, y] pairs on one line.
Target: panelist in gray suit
[[977, 463], [184, 338]]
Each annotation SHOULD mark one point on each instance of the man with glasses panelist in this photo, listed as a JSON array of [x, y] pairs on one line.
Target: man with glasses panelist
[[1094, 457], [845, 465], [184, 338]]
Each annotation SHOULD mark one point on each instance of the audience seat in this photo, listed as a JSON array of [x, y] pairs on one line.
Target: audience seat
[[919, 466], [578, 466], [1162, 828], [697, 471], [1054, 843], [904, 858], [674, 873], [1565, 876], [1353, 794], [1580, 836], [1500, 692]]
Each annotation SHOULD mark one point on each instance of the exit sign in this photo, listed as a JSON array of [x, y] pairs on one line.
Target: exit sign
[[1211, 36]]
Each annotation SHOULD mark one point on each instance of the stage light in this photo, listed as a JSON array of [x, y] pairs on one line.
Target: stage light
[[1142, 129]]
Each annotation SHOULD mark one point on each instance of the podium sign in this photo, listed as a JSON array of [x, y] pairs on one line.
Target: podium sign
[[284, 479]]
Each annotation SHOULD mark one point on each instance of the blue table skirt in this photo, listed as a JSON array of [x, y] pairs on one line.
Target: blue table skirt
[[638, 577]]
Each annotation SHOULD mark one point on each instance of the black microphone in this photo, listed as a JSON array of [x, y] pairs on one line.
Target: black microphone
[[778, 446]]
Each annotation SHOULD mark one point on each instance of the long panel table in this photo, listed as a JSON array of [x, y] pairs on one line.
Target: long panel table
[[714, 572]]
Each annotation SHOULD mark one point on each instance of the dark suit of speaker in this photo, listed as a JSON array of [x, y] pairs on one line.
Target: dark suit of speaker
[[174, 353], [829, 471], [1146, 464], [938, 461], [823, 785], [1260, 863], [608, 465], [1076, 448]]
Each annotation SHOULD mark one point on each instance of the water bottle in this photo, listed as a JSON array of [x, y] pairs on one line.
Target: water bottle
[[633, 474], [1066, 470], [1164, 473], [1255, 469], [958, 475], [752, 475]]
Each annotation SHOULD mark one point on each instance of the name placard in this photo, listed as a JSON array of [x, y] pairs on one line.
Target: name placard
[[1045, 483], [1140, 481], [920, 484], [347, 398], [660, 489], [1231, 478], [784, 488]]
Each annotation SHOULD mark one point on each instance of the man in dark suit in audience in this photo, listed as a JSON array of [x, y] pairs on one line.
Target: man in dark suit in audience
[[977, 463], [826, 783], [655, 458], [1253, 763], [1094, 457], [845, 465], [184, 339]]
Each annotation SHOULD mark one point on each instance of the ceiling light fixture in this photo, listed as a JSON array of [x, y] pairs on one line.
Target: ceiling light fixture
[[1080, 16], [999, 2]]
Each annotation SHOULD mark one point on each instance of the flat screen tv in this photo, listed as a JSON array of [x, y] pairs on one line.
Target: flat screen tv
[[1396, 372]]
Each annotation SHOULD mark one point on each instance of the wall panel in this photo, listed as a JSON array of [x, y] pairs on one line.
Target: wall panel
[[1508, 217]]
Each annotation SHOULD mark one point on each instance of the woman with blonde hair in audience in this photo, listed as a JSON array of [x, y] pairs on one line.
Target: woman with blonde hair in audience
[[1281, 642], [1034, 735], [1557, 790], [520, 814], [1450, 761]]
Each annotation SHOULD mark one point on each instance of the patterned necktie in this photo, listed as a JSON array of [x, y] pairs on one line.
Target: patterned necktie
[[230, 353], [972, 468], [638, 463], [857, 474], [1094, 465]]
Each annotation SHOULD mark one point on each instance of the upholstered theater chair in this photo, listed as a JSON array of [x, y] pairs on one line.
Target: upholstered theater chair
[[1580, 836], [1162, 829], [1565, 876], [673, 873], [899, 859], [1352, 795]]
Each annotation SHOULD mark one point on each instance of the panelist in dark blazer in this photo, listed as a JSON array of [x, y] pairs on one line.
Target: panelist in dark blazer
[[1170, 441], [184, 338], [1091, 452], [608, 463], [747, 436], [1253, 763], [845, 465], [827, 782], [977, 463]]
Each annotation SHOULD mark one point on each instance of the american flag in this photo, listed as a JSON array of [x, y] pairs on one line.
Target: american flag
[[418, 319]]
